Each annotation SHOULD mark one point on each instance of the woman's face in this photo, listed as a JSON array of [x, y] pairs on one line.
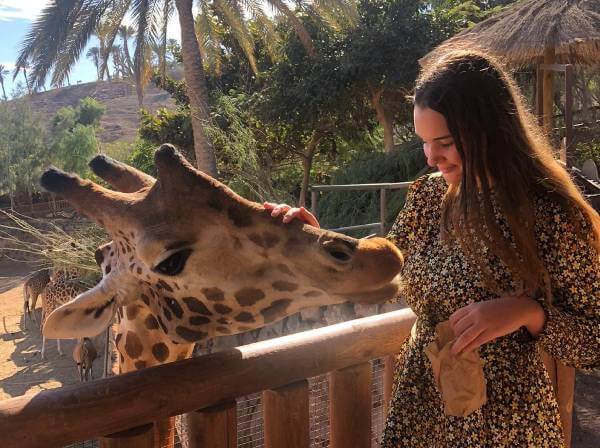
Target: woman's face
[[438, 144]]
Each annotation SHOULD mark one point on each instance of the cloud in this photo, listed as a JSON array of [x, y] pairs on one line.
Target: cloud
[[19, 9]]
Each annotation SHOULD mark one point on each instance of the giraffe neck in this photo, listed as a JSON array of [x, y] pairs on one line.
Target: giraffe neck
[[141, 342]]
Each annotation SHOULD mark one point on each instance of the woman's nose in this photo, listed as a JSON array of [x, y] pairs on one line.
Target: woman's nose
[[432, 155]]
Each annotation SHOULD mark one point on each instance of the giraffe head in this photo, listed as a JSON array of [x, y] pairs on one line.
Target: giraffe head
[[205, 261]]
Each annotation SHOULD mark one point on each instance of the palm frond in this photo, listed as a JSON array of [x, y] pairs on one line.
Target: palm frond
[[113, 21], [234, 19], [87, 20], [45, 38], [168, 9], [266, 27]]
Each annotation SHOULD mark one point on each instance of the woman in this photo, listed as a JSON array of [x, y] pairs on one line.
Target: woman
[[502, 245]]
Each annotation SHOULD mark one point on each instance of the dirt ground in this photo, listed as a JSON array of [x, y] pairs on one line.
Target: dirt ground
[[22, 371]]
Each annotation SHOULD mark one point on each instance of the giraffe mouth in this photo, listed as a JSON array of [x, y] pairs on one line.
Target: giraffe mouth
[[380, 295]]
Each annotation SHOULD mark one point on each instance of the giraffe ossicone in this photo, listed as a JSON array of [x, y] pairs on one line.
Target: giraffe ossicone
[[190, 259]]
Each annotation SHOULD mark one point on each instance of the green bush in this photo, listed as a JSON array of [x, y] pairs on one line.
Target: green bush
[[346, 208], [588, 150]]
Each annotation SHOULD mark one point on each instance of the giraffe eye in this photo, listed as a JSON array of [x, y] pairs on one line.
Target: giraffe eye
[[173, 264]]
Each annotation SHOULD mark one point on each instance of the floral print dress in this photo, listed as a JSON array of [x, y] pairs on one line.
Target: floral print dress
[[521, 410]]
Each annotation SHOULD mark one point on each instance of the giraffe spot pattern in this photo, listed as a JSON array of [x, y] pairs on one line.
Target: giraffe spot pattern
[[150, 322], [238, 217], [224, 321], [249, 296], [167, 313], [275, 310], [244, 317], [224, 330], [160, 352], [174, 306], [313, 293], [196, 306], [146, 299], [132, 311], [164, 285], [222, 309], [199, 320], [133, 345], [286, 270], [139, 365], [213, 294], [189, 334], [162, 325], [284, 286], [107, 269]]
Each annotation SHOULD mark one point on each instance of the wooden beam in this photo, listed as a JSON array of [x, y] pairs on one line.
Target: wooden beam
[[539, 95], [214, 427], [569, 143], [140, 437], [548, 91], [286, 417], [383, 210], [350, 403], [61, 416], [388, 382]]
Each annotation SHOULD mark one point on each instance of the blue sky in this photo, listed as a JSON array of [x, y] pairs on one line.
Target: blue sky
[[16, 17]]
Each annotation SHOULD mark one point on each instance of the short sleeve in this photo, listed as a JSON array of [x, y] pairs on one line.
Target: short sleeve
[[571, 333]]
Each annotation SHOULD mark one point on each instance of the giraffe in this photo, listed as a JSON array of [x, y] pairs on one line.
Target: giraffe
[[32, 288], [84, 354], [61, 288], [191, 260]]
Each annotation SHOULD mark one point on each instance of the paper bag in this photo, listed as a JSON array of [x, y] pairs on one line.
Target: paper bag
[[459, 378]]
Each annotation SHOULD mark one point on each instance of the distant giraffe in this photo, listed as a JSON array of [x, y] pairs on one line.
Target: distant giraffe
[[32, 288], [84, 355], [62, 288]]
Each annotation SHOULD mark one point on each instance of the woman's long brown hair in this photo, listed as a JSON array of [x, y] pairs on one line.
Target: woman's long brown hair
[[502, 149]]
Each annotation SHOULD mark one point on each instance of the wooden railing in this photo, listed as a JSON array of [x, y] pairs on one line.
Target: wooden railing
[[379, 227], [121, 409]]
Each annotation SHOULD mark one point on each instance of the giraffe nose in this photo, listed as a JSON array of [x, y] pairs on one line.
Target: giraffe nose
[[340, 250]]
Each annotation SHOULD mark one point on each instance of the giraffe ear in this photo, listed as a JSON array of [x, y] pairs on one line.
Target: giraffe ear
[[86, 315]]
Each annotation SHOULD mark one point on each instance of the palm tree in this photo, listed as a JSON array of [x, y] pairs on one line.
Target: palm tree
[[3, 72], [61, 32], [94, 54]]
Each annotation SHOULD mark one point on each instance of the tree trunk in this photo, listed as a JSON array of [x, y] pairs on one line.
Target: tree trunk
[[197, 90], [307, 159], [384, 117], [3, 91]]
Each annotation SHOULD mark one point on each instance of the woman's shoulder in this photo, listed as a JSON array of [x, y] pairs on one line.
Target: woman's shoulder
[[429, 185]]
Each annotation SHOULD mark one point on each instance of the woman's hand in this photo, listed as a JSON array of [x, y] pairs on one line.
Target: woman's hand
[[291, 213], [482, 322]]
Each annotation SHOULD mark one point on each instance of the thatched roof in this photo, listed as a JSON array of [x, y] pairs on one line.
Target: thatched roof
[[521, 33]]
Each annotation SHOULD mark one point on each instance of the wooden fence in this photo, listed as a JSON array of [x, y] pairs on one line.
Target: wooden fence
[[121, 409]]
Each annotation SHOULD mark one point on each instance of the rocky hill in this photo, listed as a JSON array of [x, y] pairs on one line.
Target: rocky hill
[[121, 120]]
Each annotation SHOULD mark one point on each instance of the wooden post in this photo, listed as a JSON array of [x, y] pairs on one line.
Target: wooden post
[[383, 210], [350, 405], [565, 380], [388, 381], [140, 437], [569, 147], [539, 95], [286, 418], [314, 197], [214, 427], [548, 91]]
